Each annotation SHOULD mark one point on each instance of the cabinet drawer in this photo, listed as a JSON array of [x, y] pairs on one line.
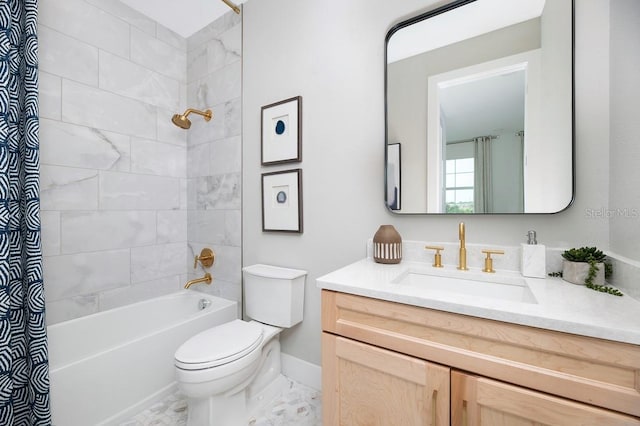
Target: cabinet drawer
[[478, 401], [594, 371]]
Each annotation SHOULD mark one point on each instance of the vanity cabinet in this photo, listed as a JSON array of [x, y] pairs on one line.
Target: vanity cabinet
[[386, 363]]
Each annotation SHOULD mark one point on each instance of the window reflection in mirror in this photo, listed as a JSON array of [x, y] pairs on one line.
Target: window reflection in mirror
[[479, 104]]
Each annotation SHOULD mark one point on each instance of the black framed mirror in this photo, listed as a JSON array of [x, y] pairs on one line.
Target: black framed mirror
[[479, 109]]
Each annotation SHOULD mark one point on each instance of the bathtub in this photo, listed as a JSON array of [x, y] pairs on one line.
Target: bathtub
[[111, 365]]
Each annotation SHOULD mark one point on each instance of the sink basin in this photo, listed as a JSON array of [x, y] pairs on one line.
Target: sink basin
[[478, 284]]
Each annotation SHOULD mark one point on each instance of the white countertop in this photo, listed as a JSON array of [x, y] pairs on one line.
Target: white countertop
[[561, 306]]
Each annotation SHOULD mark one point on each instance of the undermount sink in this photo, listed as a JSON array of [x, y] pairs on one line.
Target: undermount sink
[[479, 284]]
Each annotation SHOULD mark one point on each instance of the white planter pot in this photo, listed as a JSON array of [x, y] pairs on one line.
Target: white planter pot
[[576, 272]]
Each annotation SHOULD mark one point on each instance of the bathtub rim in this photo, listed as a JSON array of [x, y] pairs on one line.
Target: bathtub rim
[[179, 293]]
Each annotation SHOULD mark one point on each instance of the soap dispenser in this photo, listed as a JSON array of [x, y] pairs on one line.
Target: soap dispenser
[[533, 262]]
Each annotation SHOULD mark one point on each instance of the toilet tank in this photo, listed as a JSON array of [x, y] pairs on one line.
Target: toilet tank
[[274, 295]]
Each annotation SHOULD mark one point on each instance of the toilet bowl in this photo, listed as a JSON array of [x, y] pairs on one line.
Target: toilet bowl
[[228, 370]]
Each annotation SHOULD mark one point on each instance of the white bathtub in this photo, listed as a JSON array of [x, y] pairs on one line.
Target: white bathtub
[[108, 366]]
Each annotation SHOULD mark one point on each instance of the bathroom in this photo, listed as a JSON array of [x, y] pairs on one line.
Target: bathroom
[[151, 196]]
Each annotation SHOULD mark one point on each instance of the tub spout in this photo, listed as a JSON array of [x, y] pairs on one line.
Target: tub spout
[[206, 279]]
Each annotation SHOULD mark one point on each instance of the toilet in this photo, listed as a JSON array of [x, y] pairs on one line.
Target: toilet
[[227, 371]]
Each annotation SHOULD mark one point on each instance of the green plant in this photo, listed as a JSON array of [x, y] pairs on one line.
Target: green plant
[[605, 289], [592, 256], [584, 254]]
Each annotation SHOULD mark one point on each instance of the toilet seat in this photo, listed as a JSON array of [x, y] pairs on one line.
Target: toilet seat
[[219, 345]]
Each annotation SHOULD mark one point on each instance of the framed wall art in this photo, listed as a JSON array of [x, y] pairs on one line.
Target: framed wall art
[[281, 124], [282, 201]]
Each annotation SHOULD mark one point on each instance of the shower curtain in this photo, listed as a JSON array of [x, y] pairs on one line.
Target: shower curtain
[[24, 370]]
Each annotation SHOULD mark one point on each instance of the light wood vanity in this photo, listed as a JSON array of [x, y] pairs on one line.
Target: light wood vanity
[[388, 363]]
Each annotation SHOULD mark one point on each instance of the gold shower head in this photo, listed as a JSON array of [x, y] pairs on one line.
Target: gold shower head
[[184, 123]]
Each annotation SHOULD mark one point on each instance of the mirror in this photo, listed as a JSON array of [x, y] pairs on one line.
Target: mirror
[[479, 109]]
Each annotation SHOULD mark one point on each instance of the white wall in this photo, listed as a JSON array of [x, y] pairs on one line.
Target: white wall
[[549, 130], [331, 53], [624, 204]]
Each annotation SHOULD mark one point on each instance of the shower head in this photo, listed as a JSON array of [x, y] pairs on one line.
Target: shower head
[[183, 122]]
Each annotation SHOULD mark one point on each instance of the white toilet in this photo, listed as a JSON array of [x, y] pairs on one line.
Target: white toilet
[[228, 370]]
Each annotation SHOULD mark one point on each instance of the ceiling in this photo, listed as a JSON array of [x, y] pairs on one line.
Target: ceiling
[[483, 106], [184, 17]]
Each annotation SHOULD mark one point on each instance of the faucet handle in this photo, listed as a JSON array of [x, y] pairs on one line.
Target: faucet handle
[[206, 258], [488, 262], [437, 258]]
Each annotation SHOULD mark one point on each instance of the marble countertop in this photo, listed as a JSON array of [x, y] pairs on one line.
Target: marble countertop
[[561, 306]]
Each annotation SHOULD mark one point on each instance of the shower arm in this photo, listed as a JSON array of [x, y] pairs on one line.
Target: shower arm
[[232, 5], [206, 114]]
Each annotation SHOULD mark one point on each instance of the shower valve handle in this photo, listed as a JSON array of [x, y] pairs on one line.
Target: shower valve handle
[[206, 258]]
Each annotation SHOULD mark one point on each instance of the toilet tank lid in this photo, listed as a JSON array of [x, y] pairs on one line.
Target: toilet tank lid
[[270, 271]]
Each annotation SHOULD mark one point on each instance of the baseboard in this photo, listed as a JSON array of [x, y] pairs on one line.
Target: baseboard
[[302, 371]]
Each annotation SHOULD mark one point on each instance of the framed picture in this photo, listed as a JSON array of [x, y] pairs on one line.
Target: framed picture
[[393, 176], [281, 140], [282, 201]]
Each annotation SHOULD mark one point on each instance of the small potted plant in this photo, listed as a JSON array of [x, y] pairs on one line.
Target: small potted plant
[[587, 266], [584, 266]]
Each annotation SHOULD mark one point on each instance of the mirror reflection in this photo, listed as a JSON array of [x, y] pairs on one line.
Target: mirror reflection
[[479, 109]]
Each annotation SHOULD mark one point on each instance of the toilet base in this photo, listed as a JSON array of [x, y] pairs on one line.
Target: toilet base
[[236, 406], [228, 411], [235, 409], [259, 402]]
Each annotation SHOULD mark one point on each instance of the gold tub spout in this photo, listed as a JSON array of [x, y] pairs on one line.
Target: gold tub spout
[[206, 279]]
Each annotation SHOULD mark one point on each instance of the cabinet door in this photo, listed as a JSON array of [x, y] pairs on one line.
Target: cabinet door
[[367, 385], [479, 401]]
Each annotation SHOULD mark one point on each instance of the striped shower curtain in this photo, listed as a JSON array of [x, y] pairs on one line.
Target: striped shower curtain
[[24, 370]]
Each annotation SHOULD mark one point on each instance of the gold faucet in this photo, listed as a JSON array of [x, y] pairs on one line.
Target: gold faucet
[[437, 258], [488, 262], [206, 258], [462, 263], [206, 279]]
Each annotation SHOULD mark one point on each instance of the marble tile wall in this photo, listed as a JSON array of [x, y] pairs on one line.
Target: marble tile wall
[[119, 183], [214, 153]]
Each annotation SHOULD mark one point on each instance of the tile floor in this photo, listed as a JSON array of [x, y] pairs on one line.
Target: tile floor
[[299, 405]]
